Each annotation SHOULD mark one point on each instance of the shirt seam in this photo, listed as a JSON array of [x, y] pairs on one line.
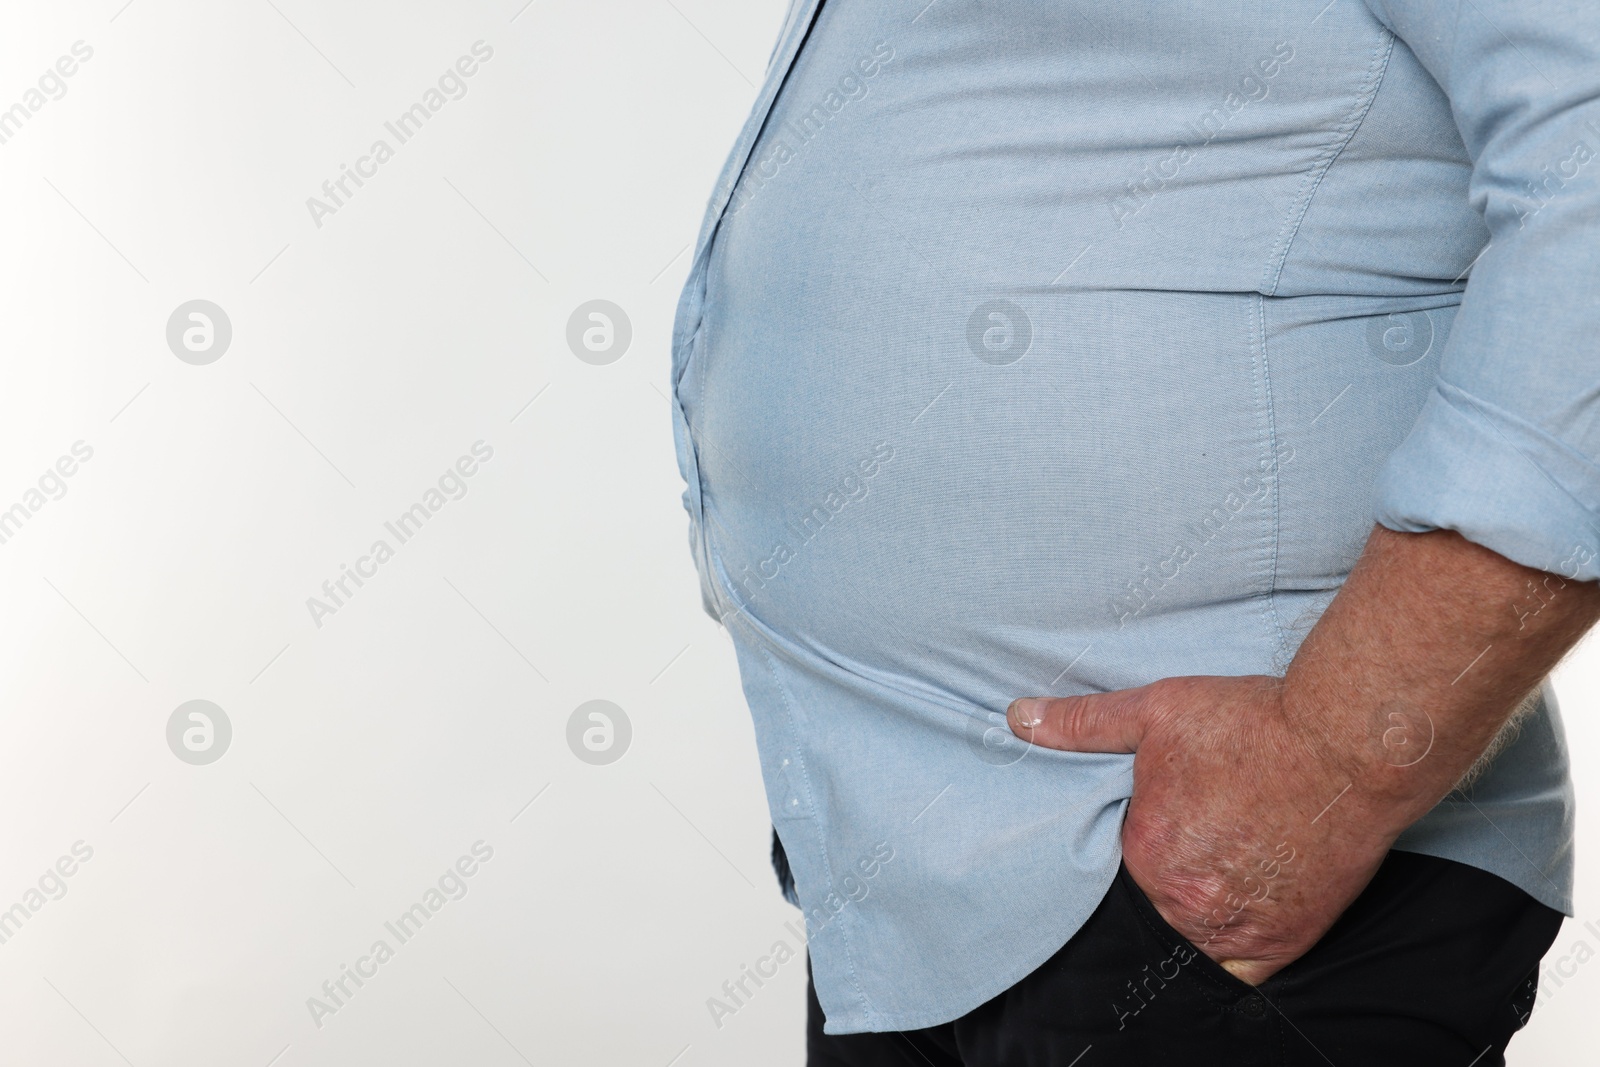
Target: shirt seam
[[1377, 69], [765, 102], [783, 32], [1265, 386], [869, 1013]]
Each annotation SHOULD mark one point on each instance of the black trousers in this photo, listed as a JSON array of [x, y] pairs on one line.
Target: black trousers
[[1435, 963]]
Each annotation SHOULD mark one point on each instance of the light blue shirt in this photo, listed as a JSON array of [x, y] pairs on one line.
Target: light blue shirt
[[1054, 347]]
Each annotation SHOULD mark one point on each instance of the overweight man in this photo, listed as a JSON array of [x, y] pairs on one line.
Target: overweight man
[[1145, 456]]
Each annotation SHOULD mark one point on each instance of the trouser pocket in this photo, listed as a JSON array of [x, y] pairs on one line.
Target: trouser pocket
[[1184, 955]]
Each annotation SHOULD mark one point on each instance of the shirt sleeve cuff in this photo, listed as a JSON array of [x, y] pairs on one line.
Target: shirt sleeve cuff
[[1498, 481]]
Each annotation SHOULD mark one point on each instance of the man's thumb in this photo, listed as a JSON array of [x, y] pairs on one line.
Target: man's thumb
[[1098, 722]]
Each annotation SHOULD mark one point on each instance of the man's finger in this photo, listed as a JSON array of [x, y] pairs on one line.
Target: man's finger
[[1250, 972], [1099, 722]]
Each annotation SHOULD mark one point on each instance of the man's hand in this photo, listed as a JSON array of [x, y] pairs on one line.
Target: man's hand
[[1230, 832], [1262, 806]]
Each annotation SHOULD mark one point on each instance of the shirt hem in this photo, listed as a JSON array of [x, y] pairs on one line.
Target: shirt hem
[[872, 1021]]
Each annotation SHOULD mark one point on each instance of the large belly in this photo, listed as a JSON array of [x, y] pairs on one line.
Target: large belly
[[897, 469], [953, 423]]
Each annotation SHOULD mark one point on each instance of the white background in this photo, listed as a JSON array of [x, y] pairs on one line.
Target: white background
[[368, 353]]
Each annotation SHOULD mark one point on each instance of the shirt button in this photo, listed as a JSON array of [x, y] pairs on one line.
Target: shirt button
[[1253, 1006]]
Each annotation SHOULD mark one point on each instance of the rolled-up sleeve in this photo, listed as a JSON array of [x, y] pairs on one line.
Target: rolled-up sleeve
[[1506, 449]]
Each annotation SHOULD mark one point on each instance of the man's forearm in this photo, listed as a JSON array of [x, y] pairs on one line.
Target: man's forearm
[[1420, 660]]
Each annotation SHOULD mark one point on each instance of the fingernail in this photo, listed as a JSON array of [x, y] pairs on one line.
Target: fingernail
[[1028, 712]]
